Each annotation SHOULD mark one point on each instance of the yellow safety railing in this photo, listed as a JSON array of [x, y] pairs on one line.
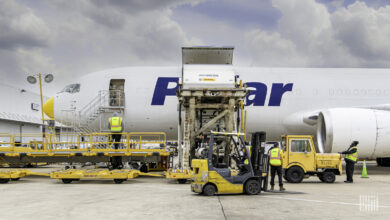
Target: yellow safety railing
[[94, 142]]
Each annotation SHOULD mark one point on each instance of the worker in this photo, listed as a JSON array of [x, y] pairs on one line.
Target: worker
[[351, 156], [276, 166], [116, 127]]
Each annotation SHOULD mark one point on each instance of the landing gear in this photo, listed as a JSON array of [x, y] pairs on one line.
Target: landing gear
[[383, 161]]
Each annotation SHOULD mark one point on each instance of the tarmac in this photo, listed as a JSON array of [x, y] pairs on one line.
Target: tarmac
[[36, 197]]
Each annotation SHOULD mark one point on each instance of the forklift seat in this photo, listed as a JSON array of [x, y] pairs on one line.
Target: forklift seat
[[221, 165], [224, 172]]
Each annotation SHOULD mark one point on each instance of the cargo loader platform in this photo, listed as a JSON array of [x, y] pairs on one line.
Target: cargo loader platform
[[147, 147]]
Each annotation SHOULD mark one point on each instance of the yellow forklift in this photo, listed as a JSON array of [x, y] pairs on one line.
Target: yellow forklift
[[210, 177]]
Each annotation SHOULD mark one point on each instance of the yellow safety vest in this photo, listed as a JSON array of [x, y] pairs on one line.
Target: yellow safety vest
[[116, 124], [275, 157], [250, 153], [353, 156]]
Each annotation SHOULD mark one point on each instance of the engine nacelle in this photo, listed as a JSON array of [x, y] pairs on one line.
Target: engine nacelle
[[338, 127]]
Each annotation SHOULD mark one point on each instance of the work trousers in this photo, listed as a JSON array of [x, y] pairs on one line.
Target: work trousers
[[116, 138], [349, 167], [279, 170], [116, 161]]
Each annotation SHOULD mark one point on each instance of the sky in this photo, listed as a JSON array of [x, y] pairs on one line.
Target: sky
[[71, 38]]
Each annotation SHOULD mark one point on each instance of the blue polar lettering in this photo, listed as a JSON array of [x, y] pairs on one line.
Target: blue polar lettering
[[277, 91], [255, 97], [161, 90], [258, 95]]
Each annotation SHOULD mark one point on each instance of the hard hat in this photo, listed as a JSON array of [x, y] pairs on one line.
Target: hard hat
[[115, 114]]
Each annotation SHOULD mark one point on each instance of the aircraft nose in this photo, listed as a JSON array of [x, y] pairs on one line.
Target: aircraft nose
[[48, 107]]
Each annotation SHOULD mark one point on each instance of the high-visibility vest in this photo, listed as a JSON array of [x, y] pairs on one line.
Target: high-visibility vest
[[275, 157], [250, 153], [116, 124], [353, 156]]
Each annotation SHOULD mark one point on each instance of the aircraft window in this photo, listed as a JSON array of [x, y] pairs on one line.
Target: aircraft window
[[300, 146], [72, 88]]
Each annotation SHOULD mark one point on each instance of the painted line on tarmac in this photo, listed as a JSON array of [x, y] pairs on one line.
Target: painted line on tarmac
[[320, 201]]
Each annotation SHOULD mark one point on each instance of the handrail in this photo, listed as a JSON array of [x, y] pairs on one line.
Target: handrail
[[94, 142]]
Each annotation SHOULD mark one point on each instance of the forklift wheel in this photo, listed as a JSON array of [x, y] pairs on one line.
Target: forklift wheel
[[209, 190], [4, 180], [252, 187], [295, 174], [328, 177], [67, 181], [182, 181], [119, 181]]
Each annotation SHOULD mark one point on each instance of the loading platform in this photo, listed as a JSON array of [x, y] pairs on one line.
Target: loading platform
[[96, 147]]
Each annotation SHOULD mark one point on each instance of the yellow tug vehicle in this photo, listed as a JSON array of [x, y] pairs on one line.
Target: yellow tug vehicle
[[300, 160]]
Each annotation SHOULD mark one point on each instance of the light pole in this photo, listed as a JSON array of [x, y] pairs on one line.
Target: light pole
[[33, 79]]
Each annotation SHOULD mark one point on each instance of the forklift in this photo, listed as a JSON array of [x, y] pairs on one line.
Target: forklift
[[210, 177]]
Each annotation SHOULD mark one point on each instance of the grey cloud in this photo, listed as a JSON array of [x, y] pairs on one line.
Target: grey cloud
[[310, 35], [20, 27]]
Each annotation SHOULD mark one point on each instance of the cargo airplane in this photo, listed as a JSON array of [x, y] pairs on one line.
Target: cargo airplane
[[337, 106]]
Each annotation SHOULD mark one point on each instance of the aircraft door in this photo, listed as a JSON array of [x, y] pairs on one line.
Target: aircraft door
[[117, 93]]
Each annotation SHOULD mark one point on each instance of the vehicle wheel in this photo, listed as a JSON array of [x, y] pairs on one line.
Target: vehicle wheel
[[4, 180], [252, 187], [182, 181], [67, 167], [209, 190], [328, 177], [67, 181], [119, 181], [144, 168], [295, 174], [15, 179], [321, 177]]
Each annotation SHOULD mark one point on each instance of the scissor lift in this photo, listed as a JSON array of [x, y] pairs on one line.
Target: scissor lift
[[212, 98]]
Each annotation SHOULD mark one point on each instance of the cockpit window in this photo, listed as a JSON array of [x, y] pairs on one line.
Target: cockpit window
[[72, 88]]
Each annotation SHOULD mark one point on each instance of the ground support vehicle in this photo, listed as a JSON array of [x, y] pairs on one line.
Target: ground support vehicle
[[178, 174], [70, 175], [15, 174], [209, 177], [300, 160]]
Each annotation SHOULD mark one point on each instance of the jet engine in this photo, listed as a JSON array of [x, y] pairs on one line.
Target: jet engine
[[338, 127]]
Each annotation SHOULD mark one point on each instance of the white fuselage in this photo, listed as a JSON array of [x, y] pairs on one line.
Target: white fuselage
[[150, 104]]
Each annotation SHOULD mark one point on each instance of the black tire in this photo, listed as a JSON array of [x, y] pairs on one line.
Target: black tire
[[67, 181], [119, 181], [182, 181], [4, 180], [252, 187], [209, 190], [144, 168], [328, 177], [320, 177], [15, 179], [295, 174]]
